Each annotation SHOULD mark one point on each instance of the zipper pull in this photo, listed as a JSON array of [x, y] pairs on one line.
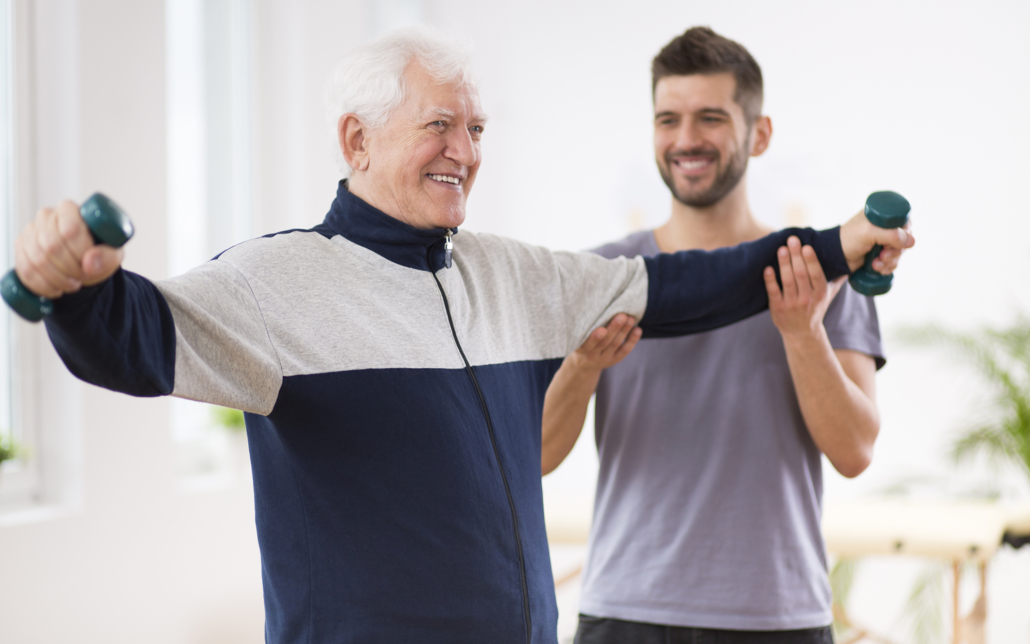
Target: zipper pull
[[448, 246]]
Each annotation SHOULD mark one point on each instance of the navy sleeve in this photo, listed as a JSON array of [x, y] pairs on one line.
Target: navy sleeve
[[119, 335], [694, 290]]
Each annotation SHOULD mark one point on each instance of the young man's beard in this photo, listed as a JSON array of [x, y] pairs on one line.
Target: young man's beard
[[724, 182]]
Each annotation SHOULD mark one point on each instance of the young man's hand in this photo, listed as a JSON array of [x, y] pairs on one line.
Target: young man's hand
[[798, 308], [55, 254], [606, 345]]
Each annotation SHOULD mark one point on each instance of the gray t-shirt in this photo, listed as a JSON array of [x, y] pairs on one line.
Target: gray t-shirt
[[710, 487]]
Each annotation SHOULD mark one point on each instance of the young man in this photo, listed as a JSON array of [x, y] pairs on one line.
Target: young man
[[707, 515]]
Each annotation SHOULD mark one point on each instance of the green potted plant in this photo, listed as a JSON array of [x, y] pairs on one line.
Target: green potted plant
[[1001, 431], [10, 449], [231, 419]]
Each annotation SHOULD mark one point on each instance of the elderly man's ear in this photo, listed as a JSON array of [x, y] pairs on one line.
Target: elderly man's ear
[[353, 143]]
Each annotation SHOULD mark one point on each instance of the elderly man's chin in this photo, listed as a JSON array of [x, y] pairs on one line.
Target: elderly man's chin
[[450, 215]]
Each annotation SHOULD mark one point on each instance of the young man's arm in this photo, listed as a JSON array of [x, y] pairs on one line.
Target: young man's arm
[[565, 405], [836, 389]]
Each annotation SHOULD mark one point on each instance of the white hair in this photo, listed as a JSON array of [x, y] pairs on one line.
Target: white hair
[[369, 81]]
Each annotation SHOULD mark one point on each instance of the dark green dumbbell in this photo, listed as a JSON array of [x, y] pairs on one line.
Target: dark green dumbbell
[[884, 209], [108, 224]]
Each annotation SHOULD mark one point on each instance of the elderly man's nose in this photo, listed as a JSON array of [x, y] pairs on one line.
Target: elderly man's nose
[[461, 149]]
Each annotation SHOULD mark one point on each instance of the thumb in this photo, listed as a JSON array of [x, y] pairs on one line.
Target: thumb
[[99, 263]]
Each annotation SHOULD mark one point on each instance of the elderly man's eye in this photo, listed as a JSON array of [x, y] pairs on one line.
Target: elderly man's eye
[[476, 129], [438, 124]]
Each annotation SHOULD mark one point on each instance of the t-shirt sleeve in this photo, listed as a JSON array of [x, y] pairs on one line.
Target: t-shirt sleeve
[[851, 323], [199, 336]]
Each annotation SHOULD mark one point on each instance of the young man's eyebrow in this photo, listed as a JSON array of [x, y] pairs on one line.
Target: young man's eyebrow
[[703, 110]]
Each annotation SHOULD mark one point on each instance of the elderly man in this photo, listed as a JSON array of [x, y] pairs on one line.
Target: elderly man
[[392, 371]]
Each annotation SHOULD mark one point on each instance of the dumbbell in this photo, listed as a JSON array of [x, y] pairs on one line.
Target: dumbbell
[[883, 209], [108, 224]]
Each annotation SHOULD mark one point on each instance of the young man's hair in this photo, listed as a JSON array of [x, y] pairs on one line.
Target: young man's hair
[[699, 50]]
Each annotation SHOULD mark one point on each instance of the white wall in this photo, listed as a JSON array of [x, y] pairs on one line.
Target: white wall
[[925, 98]]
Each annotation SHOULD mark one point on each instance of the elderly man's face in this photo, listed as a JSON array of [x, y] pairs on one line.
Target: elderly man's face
[[423, 161]]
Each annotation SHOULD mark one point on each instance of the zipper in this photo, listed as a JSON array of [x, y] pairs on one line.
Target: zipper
[[448, 247]]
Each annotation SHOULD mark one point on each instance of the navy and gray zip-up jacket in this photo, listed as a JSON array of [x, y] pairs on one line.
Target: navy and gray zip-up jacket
[[394, 405]]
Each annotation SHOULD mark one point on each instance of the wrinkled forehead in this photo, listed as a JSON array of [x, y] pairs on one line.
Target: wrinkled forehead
[[460, 105], [427, 96]]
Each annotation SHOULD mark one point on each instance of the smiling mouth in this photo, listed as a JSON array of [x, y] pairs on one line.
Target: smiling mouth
[[692, 163], [442, 178]]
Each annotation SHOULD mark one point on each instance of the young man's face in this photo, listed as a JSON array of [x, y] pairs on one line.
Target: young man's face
[[701, 139]]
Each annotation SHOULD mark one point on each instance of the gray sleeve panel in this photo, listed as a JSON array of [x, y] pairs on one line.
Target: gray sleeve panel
[[223, 354], [330, 305], [547, 301]]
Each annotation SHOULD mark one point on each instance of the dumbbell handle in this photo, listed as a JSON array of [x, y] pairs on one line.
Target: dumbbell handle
[[108, 224], [884, 209]]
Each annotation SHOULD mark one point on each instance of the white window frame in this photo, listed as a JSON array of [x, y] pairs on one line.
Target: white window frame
[[40, 130], [210, 180]]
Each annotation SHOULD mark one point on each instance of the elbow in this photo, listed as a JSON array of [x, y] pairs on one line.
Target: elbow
[[548, 463], [855, 463], [852, 469]]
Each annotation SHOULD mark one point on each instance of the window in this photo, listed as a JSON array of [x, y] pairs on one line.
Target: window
[[209, 184], [17, 475]]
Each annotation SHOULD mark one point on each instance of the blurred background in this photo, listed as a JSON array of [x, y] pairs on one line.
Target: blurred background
[[128, 520]]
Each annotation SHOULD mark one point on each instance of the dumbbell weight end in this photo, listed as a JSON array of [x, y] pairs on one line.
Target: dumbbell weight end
[[884, 209]]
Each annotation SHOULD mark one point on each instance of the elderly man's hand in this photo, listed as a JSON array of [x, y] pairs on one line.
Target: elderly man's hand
[[858, 236], [56, 255]]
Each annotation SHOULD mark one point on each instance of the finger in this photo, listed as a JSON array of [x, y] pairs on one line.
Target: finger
[[619, 329], [631, 341], [593, 340], [36, 268], [101, 262], [898, 238], [72, 228], [65, 237], [815, 270], [797, 264], [772, 288], [790, 289], [36, 276], [56, 241]]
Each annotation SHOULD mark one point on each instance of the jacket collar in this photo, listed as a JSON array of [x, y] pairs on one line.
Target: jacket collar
[[367, 226]]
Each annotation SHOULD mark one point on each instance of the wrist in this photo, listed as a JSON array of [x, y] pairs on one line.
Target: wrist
[[582, 366], [805, 339]]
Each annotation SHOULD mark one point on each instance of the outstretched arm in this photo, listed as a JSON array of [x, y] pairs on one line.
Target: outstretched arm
[[565, 405], [694, 291], [835, 388]]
